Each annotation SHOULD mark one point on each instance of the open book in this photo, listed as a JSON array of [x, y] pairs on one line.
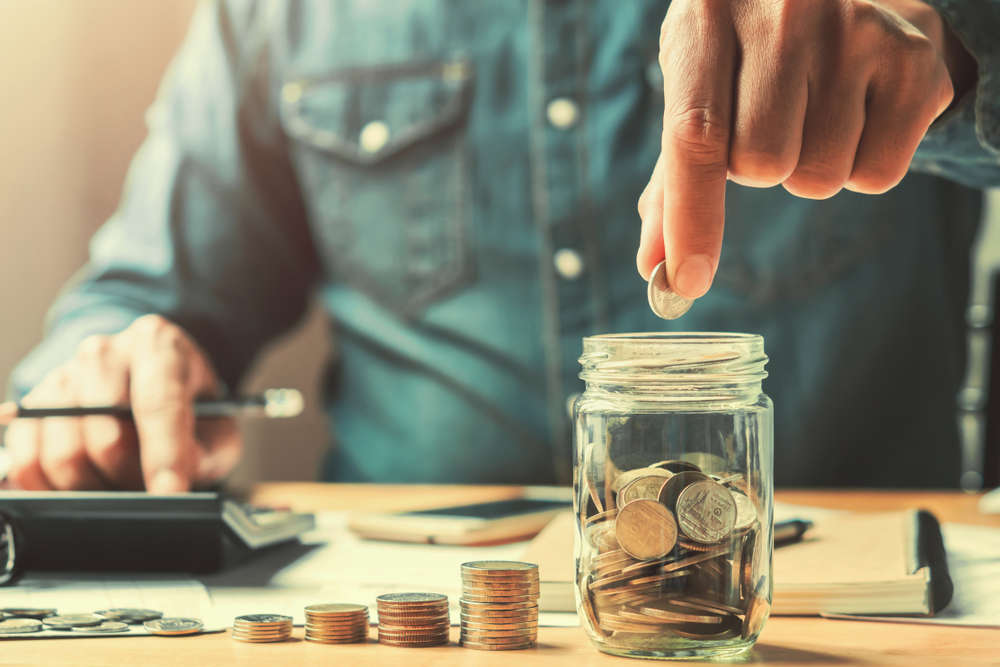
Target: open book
[[855, 563]]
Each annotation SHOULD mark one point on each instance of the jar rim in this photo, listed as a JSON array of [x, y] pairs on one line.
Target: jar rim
[[679, 337]]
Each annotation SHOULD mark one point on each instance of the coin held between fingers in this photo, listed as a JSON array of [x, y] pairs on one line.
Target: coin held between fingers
[[664, 301]]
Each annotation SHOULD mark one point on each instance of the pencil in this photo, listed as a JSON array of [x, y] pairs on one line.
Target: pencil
[[273, 403]]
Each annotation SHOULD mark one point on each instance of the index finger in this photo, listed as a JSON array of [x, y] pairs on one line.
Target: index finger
[[697, 56], [162, 391]]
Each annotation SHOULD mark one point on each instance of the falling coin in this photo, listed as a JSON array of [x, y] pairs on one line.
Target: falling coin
[[663, 301]]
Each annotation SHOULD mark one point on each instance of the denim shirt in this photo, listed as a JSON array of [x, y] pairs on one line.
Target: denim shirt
[[457, 183]]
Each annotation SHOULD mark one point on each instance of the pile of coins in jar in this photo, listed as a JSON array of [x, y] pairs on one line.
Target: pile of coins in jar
[[669, 552]]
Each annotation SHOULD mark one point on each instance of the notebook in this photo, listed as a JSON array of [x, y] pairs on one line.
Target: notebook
[[851, 563]]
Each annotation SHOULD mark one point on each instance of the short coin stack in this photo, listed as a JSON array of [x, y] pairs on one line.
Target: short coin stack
[[413, 620], [336, 623], [261, 628], [499, 605]]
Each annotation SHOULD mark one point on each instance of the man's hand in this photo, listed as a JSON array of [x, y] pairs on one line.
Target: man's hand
[[817, 95], [159, 370]]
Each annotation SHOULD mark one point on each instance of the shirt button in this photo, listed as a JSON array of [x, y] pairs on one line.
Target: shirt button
[[562, 113], [568, 263], [374, 136]]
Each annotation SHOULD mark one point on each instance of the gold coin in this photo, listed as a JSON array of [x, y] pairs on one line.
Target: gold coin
[[688, 561], [414, 644], [601, 516], [707, 605], [336, 609], [497, 647], [758, 607], [706, 512], [318, 640], [493, 567], [676, 466], [629, 476], [645, 487], [646, 529], [666, 613]]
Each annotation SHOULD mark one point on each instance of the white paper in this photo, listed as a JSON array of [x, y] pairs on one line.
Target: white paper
[[974, 567], [72, 593]]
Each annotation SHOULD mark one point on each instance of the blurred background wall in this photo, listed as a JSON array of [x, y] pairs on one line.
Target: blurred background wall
[[76, 78]]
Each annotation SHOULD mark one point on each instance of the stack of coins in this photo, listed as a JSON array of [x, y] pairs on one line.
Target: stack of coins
[[261, 628], [413, 619], [336, 623], [672, 550], [499, 605]]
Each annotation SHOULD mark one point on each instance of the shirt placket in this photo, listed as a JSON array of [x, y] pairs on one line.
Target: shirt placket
[[567, 256]]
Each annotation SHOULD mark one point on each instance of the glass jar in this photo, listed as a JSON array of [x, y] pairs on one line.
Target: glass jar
[[673, 493]]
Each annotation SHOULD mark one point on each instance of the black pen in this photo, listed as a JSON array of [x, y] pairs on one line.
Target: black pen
[[271, 403], [787, 532]]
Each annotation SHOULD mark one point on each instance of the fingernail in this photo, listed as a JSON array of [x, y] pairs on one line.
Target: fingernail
[[167, 481], [693, 276]]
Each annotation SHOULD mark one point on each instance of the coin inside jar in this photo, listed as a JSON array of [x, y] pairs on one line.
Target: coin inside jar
[[646, 529], [706, 512]]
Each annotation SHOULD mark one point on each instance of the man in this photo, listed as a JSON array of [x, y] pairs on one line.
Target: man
[[455, 183]]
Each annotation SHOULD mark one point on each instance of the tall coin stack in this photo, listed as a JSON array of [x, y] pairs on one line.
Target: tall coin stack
[[260, 628], [413, 620], [499, 605], [336, 623]]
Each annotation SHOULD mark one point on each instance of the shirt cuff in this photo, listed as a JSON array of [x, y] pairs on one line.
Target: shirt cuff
[[976, 23]]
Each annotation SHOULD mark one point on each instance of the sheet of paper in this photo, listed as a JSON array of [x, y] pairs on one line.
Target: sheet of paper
[[334, 565], [71, 593], [974, 567]]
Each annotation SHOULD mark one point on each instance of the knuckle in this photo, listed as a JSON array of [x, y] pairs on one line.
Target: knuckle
[[94, 347], [762, 167], [813, 182], [23, 474], [701, 132], [872, 177]]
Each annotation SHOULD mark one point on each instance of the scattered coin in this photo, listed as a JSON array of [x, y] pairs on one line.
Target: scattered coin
[[646, 529], [129, 615], [28, 612], [107, 627], [67, 621], [16, 626], [663, 301], [174, 626]]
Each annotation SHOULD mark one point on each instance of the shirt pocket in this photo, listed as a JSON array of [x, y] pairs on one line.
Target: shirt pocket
[[380, 152]]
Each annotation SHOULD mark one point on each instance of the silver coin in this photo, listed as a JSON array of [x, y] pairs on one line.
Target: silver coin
[[663, 301], [264, 618], [72, 620], [129, 615], [412, 597], [174, 626], [107, 627], [17, 626], [28, 612]]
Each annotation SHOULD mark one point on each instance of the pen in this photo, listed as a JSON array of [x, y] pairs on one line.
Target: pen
[[786, 532], [271, 403]]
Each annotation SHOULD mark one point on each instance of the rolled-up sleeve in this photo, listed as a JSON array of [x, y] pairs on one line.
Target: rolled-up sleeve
[[211, 231], [964, 144]]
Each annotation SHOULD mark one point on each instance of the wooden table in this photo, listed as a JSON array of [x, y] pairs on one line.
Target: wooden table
[[785, 641]]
